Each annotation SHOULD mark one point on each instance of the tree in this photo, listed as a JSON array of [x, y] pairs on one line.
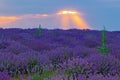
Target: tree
[[103, 49], [39, 30]]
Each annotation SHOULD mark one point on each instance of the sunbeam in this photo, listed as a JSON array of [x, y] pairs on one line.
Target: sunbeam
[[79, 22], [69, 17], [65, 21]]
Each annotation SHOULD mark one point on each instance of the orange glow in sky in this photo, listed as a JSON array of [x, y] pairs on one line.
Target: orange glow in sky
[[73, 17], [7, 19], [79, 22], [44, 15], [68, 19], [65, 21], [67, 12]]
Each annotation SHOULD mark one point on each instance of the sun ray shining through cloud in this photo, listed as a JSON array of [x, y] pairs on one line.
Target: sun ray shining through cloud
[[45, 12], [67, 12], [65, 21], [79, 22], [74, 16]]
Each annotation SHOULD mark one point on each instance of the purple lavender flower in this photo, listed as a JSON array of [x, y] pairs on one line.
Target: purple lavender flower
[[104, 64], [4, 76]]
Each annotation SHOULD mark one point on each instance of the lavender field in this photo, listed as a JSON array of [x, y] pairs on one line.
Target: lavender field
[[58, 54]]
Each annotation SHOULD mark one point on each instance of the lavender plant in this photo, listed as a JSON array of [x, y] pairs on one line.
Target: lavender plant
[[4, 76], [23, 53], [74, 67], [104, 64]]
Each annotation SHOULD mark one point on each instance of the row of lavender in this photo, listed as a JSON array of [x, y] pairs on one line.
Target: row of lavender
[[71, 54]]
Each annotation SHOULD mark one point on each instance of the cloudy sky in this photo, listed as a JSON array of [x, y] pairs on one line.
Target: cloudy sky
[[30, 13]]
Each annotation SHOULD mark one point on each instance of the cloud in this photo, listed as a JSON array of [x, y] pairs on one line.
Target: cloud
[[53, 20], [4, 20], [29, 20], [34, 16]]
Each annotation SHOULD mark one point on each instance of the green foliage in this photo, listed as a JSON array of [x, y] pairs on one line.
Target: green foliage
[[69, 72], [85, 54], [103, 49], [36, 76], [46, 74], [39, 31], [32, 63]]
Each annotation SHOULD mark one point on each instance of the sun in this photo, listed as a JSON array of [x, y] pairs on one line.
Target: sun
[[69, 17], [67, 12]]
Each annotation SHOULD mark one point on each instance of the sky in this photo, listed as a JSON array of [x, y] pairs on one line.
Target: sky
[[92, 14]]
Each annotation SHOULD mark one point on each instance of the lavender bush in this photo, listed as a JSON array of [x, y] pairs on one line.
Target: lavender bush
[[4, 76], [70, 54]]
